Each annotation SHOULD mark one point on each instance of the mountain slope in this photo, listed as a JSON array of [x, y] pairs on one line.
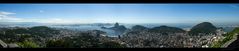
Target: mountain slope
[[167, 29], [204, 27]]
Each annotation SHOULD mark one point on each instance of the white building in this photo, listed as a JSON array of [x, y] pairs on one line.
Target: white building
[[205, 46]]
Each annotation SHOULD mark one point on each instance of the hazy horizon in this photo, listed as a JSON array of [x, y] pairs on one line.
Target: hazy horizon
[[122, 13]]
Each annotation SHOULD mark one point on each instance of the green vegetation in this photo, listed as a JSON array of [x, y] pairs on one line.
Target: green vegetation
[[166, 29], [28, 44], [38, 37], [111, 44], [20, 34], [205, 28], [138, 28], [58, 44], [42, 31], [26, 37], [227, 38], [85, 41]]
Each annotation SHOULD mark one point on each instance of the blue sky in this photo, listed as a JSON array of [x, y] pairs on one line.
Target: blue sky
[[123, 13]]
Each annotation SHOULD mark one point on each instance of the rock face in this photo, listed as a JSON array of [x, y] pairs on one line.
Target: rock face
[[167, 29], [116, 24], [203, 28]]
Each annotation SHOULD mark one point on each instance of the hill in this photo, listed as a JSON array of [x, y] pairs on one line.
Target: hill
[[167, 29], [204, 28]]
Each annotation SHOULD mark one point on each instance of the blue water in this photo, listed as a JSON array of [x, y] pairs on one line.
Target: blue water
[[86, 28]]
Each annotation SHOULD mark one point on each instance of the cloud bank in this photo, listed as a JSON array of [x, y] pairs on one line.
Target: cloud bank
[[5, 17]]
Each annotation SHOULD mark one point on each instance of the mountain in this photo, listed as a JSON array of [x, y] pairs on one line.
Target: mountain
[[42, 31], [116, 24], [167, 29], [204, 27], [119, 29], [138, 28]]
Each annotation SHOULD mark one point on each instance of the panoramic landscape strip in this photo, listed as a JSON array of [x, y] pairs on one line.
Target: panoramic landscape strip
[[119, 25]]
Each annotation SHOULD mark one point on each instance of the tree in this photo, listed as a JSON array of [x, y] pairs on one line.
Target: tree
[[111, 44], [28, 44]]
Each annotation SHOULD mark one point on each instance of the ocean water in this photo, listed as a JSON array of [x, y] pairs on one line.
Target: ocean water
[[87, 27]]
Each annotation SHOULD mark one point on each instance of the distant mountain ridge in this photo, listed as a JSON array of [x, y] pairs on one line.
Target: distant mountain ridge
[[204, 27], [167, 29], [139, 28]]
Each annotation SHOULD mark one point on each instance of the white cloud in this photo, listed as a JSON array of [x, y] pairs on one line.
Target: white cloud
[[13, 18], [41, 11], [4, 17], [234, 6], [50, 20], [6, 13]]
